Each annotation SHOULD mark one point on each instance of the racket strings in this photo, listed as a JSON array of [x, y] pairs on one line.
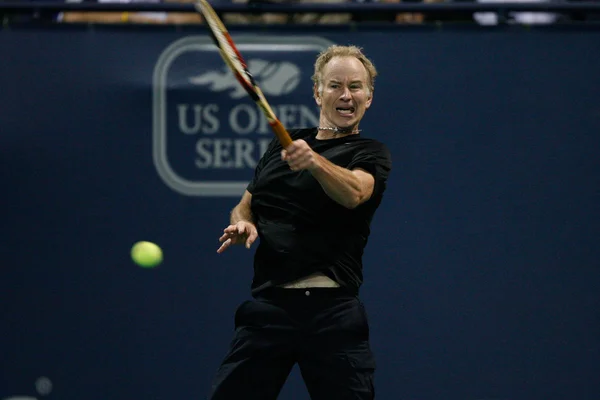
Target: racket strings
[[225, 44]]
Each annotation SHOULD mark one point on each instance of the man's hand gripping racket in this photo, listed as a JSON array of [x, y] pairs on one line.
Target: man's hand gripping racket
[[236, 63]]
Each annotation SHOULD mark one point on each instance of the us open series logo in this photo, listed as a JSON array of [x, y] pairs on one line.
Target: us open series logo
[[208, 135]]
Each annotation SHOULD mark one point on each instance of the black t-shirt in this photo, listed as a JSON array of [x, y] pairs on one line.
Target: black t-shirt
[[301, 229]]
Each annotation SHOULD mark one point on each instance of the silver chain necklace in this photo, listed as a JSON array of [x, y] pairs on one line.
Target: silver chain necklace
[[337, 130]]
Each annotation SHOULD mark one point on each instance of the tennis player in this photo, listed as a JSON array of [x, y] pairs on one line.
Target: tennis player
[[311, 205]]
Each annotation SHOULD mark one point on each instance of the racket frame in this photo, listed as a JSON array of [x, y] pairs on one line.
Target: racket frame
[[236, 63]]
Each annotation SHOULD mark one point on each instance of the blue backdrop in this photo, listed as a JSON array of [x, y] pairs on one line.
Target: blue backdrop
[[482, 271]]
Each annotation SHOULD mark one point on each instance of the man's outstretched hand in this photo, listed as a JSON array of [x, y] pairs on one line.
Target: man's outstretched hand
[[243, 232]]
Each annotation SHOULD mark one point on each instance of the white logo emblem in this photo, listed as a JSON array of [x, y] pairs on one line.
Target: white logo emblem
[[273, 78]]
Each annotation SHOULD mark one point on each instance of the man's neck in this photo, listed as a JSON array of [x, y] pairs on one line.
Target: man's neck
[[325, 132]]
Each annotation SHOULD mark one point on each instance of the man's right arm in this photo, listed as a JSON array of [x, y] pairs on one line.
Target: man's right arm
[[242, 212]]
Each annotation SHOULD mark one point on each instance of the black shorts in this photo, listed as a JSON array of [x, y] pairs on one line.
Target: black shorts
[[324, 330]]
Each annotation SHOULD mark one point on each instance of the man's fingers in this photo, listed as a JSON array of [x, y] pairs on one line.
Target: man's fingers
[[233, 235], [224, 237], [224, 246], [228, 235], [230, 229], [251, 238], [239, 233], [298, 156]]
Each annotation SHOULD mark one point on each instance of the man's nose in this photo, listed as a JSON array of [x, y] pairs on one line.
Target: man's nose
[[345, 93]]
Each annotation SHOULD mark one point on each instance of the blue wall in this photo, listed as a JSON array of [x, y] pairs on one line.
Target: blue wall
[[482, 271]]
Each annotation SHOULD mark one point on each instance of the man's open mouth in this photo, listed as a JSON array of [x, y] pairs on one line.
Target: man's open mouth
[[345, 110]]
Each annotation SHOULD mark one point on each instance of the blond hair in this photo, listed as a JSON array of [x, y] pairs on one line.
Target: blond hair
[[343, 51]]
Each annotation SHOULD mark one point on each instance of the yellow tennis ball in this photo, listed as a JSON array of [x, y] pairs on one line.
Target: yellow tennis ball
[[146, 254]]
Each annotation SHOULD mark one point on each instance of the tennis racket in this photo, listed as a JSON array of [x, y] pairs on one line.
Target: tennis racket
[[236, 63]]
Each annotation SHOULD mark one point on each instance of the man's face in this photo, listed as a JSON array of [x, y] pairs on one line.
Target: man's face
[[345, 94]]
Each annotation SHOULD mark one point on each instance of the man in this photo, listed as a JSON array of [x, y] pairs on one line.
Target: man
[[311, 204]]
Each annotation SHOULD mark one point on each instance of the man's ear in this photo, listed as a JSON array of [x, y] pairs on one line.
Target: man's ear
[[369, 100], [317, 95]]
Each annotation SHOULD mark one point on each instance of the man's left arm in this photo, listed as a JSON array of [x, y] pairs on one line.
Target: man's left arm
[[350, 188]]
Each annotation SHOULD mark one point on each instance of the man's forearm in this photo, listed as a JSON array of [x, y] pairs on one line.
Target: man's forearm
[[341, 184], [241, 212]]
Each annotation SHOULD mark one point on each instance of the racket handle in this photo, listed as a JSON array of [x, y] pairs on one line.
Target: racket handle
[[281, 133]]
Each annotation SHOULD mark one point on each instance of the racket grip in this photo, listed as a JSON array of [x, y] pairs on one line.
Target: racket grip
[[281, 133]]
